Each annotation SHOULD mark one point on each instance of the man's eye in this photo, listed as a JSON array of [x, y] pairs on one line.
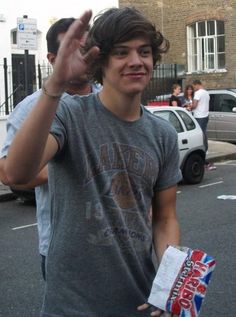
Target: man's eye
[[119, 52], [145, 52]]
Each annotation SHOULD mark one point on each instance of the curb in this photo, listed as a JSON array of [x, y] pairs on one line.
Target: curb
[[223, 157]]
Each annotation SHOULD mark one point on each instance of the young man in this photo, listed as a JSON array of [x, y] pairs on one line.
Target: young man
[[79, 86], [200, 108], [110, 161]]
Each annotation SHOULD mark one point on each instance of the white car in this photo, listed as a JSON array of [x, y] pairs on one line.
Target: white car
[[190, 139]]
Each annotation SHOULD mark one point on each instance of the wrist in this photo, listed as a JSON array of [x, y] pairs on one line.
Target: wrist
[[52, 90]]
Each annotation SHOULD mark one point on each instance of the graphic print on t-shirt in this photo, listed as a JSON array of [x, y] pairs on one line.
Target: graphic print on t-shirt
[[118, 213]]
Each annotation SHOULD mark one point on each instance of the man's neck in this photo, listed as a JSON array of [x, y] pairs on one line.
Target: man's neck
[[82, 90], [124, 106]]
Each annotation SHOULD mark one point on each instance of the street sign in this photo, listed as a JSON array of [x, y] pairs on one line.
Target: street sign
[[26, 34]]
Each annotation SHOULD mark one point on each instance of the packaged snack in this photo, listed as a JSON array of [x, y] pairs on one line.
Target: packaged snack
[[181, 281]]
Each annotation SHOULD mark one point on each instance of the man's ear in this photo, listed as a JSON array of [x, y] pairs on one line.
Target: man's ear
[[51, 58]]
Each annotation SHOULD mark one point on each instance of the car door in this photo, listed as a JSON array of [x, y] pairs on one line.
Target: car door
[[184, 137], [222, 118], [213, 109]]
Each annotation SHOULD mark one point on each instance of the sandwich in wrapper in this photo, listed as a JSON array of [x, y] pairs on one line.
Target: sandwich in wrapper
[[181, 281]]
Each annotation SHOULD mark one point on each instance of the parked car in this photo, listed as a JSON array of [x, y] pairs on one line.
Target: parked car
[[222, 117], [190, 141]]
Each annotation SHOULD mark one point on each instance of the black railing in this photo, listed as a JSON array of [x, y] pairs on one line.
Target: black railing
[[164, 76], [162, 80], [12, 79], [6, 110]]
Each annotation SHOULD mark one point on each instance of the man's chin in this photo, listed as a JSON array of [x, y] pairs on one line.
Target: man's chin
[[135, 91], [78, 83]]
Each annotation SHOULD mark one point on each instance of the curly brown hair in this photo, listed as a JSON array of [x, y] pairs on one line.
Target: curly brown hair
[[117, 25]]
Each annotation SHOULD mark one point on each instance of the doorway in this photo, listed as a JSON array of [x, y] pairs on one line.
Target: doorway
[[18, 76]]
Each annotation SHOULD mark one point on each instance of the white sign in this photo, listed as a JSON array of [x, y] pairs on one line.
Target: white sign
[[27, 34]]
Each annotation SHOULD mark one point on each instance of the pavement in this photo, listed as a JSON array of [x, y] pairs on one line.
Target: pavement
[[220, 151], [217, 151]]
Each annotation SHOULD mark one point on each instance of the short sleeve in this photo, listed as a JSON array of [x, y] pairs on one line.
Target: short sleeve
[[170, 173]]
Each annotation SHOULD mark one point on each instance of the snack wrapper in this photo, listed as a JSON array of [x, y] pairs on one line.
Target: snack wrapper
[[181, 281]]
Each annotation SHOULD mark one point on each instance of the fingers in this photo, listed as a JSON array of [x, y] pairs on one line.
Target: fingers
[[155, 313], [142, 307], [86, 17], [91, 54], [77, 29], [80, 26]]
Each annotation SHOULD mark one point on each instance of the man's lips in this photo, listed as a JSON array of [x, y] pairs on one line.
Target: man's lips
[[135, 75]]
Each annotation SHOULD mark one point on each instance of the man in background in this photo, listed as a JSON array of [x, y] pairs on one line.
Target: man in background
[[82, 86], [200, 108]]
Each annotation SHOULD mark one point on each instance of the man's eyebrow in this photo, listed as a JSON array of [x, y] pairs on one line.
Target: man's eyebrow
[[127, 46]]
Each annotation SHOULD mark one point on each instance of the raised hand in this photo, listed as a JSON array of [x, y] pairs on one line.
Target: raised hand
[[70, 63]]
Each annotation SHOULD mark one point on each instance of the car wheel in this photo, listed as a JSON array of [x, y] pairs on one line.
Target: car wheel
[[193, 170]]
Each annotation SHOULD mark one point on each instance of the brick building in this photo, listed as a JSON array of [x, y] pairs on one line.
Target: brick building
[[202, 37]]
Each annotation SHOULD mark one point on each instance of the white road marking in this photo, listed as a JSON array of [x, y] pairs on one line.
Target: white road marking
[[211, 184], [224, 197], [26, 226]]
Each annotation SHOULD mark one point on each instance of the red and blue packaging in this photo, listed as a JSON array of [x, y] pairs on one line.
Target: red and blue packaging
[[181, 281]]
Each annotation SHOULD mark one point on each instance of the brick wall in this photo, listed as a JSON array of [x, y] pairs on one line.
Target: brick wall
[[172, 17]]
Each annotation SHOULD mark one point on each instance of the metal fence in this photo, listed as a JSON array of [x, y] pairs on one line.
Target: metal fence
[[14, 90], [13, 86], [164, 76]]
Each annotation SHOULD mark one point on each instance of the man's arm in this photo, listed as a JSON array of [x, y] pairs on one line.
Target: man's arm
[[3, 177], [164, 220], [33, 146], [165, 230], [194, 104], [40, 179]]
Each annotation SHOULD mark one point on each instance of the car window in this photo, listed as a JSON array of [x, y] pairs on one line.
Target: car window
[[227, 103], [188, 121], [222, 102], [172, 118], [214, 102]]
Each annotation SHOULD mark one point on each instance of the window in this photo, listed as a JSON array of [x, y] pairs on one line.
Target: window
[[172, 118], [14, 37], [222, 102], [189, 123], [206, 46]]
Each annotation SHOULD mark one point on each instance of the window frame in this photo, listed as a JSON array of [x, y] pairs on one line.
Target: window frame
[[203, 56]]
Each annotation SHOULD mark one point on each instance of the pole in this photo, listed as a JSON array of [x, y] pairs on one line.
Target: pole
[[6, 86], [26, 64]]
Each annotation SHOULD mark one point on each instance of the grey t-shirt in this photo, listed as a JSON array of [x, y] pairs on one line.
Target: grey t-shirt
[[102, 182]]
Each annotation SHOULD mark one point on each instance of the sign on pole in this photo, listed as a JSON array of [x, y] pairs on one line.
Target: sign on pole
[[26, 34]]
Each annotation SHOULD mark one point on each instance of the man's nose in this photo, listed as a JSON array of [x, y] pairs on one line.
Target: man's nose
[[135, 58]]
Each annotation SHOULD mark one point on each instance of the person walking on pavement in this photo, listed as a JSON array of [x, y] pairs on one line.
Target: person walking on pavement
[[80, 86], [110, 160], [200, 109]]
